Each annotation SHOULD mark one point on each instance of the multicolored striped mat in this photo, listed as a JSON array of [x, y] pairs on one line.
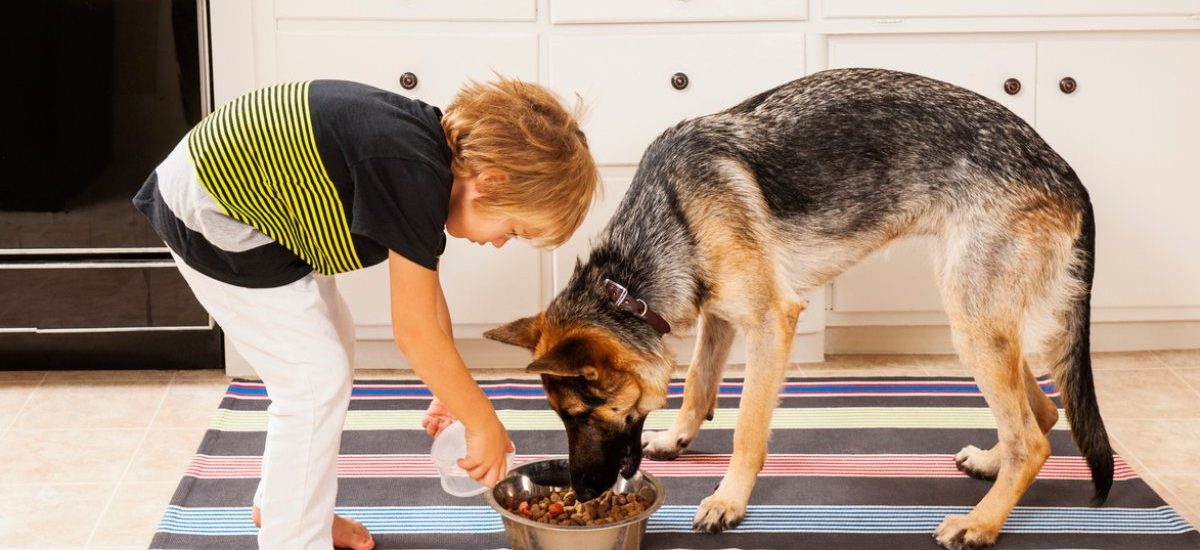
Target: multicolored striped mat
[[854, 463]]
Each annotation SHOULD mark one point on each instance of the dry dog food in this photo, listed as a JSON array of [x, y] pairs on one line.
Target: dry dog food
[[561, 508]]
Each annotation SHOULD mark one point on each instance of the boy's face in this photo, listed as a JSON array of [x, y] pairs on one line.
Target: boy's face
[[466, 222]]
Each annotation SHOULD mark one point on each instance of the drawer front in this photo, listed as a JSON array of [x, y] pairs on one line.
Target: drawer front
[[411, 10], [441, 63], [632, 11], [984, 8], [482, 286], [982, 66], [97, 297], [626, 80]]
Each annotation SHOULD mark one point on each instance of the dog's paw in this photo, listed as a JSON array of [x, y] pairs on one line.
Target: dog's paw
[[978, 463], [662, 445], [965, 533], [717, 514]]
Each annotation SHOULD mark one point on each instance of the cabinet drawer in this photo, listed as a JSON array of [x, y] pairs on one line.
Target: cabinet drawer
[[411, 10], [626, 80], [114, 296], [982, 66], [632, 11], [989, 8], [441, 63]]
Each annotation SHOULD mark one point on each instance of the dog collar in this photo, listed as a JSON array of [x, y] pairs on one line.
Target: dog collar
[[620, 297]]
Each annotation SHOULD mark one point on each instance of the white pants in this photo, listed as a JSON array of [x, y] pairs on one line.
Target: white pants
[[300, 340]]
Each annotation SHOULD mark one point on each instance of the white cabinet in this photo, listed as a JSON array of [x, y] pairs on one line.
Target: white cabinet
[[639, 84], [440, 63], [482, 286], [993, 8], [654, 11], [409, 10], [1131, 130]]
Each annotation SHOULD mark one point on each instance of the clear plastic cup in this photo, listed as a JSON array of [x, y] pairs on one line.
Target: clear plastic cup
[[448, 447]]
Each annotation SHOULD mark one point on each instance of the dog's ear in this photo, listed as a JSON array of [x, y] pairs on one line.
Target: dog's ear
[[554, 366], [522, 332]]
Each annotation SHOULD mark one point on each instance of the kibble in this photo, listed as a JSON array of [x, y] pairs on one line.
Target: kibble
[[561, 508]]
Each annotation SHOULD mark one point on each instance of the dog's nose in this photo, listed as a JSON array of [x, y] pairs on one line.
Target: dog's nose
[[584, 494]]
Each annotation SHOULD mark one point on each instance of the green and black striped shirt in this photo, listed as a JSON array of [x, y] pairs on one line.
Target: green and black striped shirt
[[336, 173]]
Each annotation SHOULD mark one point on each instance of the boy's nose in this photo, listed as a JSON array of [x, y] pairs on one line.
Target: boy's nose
[[499, 243]]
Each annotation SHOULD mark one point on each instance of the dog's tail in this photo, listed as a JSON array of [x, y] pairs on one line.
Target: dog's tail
[[1072, 363]]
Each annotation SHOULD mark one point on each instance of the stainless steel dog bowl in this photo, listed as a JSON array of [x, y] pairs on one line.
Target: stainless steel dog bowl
[[538, 478]]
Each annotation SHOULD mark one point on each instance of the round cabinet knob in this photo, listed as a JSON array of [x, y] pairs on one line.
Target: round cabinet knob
[[1068, 85], [1012, 86], [408, 81], [679, 81]]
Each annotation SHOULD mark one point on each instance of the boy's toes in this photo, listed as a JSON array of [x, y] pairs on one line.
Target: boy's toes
[[348, 533]]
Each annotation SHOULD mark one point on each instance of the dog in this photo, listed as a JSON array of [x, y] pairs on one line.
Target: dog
[[732, 217]]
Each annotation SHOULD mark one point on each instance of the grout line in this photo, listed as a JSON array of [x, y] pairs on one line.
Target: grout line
[[13, 423], [1185, 382], [129, 464]]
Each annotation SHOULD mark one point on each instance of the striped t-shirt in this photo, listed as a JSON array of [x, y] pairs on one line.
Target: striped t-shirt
[[322, 176]]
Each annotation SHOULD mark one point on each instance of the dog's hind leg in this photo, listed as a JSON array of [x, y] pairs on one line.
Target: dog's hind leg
[[994, 270], [982, 464], [768, 345], [714, 337]]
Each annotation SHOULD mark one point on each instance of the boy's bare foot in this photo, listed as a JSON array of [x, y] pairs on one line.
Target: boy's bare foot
[[347, 533]]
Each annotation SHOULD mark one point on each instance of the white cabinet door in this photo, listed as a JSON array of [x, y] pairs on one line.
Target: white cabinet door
[[482, 286], [989, 8], [579, 247], [1130, 129], [627, 80], [900, 278], [410, 10], [658, 11]]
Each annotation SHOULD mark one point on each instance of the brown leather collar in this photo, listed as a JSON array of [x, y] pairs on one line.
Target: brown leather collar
[[624, 301]]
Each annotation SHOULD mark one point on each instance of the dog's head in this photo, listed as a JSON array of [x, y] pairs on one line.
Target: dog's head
[[603, 375]]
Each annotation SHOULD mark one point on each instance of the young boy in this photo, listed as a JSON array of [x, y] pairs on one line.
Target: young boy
[[277, 191]]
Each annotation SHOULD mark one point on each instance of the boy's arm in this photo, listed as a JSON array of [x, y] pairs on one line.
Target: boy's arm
[[443, 311], [417, 328]]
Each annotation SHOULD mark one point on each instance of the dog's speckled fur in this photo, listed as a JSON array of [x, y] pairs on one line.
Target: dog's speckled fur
[[733, 216]]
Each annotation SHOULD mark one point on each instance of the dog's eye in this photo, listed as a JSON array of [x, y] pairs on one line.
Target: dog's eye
[[629, 419]]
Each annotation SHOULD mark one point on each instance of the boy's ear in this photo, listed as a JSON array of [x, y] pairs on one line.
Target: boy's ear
[[522, 332]]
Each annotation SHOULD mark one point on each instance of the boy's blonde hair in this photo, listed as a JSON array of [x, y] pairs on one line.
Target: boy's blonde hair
[[521, 129]]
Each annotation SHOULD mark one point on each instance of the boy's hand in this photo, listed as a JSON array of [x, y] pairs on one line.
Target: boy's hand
[[437, 418], [486, 459]]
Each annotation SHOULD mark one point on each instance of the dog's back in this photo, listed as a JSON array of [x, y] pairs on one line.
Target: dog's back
[[824, 170]]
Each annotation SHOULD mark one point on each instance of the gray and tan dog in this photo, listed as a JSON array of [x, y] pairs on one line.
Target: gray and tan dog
[[732, 217]]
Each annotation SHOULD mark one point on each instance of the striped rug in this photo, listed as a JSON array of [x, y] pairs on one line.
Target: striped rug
[[854, 463]]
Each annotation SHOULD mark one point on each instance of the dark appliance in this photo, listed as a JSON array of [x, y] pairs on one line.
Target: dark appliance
[[97, 93]]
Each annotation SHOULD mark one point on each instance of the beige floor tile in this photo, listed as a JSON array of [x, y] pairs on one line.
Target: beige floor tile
[[1187, 489], [133, 514], [13, 396], [108, 375], [1180, 358], [92, 404], [1164, 446], [66, 456], [189, 404], [1190, 376], [164, 455], [1126, 360], [875, 365], [1142, 393], [21, 376], [50, 515], [201, 374]]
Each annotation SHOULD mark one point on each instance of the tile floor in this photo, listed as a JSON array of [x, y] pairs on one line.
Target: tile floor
[[90, 459]]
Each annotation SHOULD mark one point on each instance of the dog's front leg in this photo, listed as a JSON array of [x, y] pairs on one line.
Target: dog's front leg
[[699, 390], [767, 349]]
